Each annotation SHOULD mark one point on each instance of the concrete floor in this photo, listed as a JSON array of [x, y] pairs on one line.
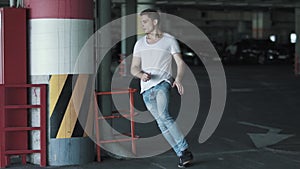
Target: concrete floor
[[262, 100]]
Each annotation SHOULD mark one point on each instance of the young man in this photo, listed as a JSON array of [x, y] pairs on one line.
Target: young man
[[152, 63]]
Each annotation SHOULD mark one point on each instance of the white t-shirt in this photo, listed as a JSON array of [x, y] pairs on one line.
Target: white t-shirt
[[156, 59]]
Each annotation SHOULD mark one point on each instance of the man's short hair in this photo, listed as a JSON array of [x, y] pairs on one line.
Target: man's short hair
[[151, 13]]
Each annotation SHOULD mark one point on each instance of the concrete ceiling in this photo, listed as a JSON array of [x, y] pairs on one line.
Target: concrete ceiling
[[263, 3], [4, 3], [223, 3], [212, 3]]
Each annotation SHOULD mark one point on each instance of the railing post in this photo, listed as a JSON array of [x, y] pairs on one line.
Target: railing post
[[2, 120], [43, 131]]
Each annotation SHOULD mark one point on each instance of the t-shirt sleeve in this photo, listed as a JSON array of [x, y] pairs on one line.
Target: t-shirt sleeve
[[174, 47], [136, 49]]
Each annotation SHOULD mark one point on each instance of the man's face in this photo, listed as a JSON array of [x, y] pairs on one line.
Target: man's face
[[148, 24]]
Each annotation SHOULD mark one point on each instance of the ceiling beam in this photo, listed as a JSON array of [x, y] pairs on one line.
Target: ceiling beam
[[225, 3]]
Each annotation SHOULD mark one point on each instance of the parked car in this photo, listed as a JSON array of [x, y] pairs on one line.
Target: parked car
[[188, 55], [260, 51], [286, 52], [241, 51], [206, 54], [268, 51]]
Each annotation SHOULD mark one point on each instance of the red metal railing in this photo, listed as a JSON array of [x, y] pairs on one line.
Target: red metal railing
[[5, 129], [131, 114]]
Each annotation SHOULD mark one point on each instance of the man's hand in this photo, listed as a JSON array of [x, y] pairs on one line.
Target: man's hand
[[146, 77], [179, 87]]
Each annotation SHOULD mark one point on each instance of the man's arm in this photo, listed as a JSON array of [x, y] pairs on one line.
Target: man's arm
[[137, 71], [180, 71]]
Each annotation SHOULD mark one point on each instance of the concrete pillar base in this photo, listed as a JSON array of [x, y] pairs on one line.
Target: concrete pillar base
[[71, 151]]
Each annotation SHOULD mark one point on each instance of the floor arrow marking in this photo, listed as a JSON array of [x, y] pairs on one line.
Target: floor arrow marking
[[272, 137]]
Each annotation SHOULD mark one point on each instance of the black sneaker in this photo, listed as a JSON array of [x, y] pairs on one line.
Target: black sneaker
[[185, 159]]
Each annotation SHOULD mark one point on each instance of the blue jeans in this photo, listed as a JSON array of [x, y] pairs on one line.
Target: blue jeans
[[157, 101]]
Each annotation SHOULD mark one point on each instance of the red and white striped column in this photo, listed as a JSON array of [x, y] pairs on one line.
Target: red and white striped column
[[58, 29]]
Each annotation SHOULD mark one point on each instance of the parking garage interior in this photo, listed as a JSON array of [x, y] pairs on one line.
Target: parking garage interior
[[248, 50]]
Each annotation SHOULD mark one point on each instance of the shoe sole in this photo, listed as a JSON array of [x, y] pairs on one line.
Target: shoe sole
[[184, 164], [179, 166]]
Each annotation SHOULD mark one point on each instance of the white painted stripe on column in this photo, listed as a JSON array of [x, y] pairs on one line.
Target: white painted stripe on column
[[55, 45]]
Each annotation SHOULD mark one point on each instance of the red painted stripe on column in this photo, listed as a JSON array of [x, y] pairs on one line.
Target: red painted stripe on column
[[69, 9]]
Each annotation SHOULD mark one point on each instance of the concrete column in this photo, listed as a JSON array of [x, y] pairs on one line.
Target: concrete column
[[128, 27], [104, 72], [104, 76], [57, 32], [242, 29], [297, 46], [261, 24], [145, 4], [142, 5], [132, 7], [123, 43]]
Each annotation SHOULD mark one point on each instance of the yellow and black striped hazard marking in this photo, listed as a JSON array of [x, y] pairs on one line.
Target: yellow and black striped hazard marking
[[70, 99]]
